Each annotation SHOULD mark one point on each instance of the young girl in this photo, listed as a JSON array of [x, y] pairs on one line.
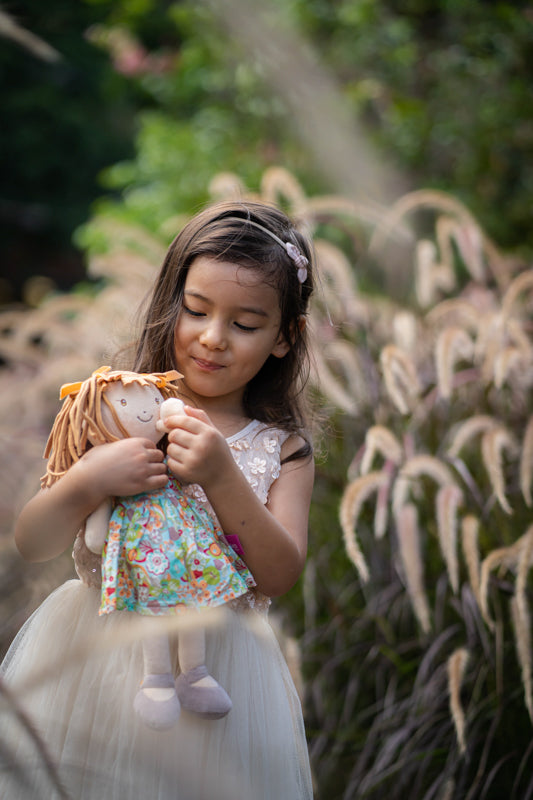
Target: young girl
[[228, 311]]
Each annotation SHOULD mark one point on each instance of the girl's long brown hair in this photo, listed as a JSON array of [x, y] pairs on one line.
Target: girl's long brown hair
[[276, 394]]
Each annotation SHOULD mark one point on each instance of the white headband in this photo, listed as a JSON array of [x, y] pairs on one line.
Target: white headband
[[300, 261]]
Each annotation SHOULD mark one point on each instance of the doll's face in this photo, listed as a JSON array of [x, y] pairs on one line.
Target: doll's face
[[137, 408]]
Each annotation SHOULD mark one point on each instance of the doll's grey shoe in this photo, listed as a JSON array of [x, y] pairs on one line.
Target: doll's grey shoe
[[211, 702], [157, 714]]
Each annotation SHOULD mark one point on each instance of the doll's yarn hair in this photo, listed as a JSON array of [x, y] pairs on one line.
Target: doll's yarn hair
[[80, 424]]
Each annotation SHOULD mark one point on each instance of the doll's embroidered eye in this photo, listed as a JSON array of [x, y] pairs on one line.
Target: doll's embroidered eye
[[123, 402], [157, 400]]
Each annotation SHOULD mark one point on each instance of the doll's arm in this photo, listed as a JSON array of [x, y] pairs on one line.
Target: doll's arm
[[96, 527]]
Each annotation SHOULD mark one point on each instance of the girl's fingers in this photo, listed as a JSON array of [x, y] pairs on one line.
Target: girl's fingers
[[155, 455], [197, 413], [173, 453], [192, 420], [157, 468], [181, 438], [157, 481]]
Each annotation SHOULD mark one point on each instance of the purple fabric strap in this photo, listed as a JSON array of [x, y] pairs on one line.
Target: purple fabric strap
[[235, 543]]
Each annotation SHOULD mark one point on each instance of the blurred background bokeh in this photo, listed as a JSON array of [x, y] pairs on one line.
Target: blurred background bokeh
[[400, 135]]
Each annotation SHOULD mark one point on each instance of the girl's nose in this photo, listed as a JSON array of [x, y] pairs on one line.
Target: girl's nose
[[213, 336]]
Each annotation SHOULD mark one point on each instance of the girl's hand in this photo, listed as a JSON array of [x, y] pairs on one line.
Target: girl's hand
[[197, 452], [49, 522], [123, 468]]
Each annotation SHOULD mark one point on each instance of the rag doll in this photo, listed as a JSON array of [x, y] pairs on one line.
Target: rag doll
[[162, 551]]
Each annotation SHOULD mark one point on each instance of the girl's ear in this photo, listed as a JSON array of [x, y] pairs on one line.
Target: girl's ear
[[282, 346]]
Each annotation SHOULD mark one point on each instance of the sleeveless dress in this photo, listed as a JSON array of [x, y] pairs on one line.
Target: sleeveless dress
[[74, 673]]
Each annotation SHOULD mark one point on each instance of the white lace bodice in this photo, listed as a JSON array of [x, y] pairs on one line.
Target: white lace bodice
[[256, 449]]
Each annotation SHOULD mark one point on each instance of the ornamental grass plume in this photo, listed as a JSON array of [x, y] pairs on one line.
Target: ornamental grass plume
[[457, 663], [526, 462], [380, 440], [502, 558], [412, 563], [470, 548], [400, 376], [522, 622], [493, 445], [431, 276], [456, 311], [417, 467], [453, 344], [469, 428], [355, 495], [449, 499], [522, 630]]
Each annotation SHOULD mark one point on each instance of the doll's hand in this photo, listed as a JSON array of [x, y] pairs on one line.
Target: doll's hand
[[123, 468], [170, 407], [197, 452]]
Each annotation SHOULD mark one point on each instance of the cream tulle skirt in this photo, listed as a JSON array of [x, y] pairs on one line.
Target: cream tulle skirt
[[75, 674]]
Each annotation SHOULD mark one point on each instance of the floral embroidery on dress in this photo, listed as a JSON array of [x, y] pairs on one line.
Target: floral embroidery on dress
[[257, 465]]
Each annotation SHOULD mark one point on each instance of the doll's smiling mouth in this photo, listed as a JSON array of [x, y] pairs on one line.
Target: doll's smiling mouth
[[145, 419]]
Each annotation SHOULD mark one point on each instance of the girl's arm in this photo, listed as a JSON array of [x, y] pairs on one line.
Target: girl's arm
[[273, 537], [49, 522]]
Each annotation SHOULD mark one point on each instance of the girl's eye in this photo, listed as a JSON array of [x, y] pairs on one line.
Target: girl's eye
[[192, 313], [123, 402], [246, 328]]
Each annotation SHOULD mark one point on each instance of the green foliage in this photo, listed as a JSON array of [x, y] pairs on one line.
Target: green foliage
[[211, 112], [442, 87], [445, 87]]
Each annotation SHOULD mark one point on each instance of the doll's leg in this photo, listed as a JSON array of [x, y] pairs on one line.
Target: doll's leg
[[197, 690], [156, 702]]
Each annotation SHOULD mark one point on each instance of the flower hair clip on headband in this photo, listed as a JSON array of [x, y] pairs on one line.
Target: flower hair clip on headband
[[297, 257]]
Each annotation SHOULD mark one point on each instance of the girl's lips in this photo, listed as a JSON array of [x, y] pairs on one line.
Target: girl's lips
[[207, 366]]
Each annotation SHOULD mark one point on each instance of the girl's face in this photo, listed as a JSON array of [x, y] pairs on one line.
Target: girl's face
[[229, 325]]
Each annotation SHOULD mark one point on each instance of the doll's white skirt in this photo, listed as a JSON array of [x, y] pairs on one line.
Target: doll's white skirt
[[75, 675]]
